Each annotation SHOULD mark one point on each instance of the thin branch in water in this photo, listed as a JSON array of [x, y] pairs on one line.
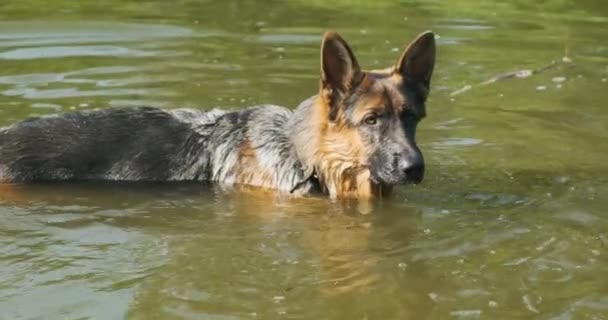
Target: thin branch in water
[[519, 74]]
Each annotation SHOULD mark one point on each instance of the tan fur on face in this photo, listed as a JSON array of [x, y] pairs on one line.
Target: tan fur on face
[[382, 97], [341, 158], [370, 104]]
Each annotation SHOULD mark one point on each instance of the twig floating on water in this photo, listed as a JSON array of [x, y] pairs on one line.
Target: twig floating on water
[[519, 74]]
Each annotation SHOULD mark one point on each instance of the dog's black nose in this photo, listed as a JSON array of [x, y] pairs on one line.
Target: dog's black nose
[[412, 168], [414, 173]]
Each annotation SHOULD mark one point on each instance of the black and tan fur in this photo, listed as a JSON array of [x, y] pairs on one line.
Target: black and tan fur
[[355, 138]]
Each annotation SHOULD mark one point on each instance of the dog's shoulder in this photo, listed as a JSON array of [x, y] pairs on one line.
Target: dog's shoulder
[[269, 117], [267, 125], [250, 146], [197, 117], [252, 121]]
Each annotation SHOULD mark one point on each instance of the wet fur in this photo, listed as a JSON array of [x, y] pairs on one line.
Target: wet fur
[[148, 144], [319, 147]]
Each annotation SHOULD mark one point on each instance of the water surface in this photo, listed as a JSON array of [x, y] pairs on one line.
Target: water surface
[[510, 222]]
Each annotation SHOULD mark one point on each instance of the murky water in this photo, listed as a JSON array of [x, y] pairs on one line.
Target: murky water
[[510, 222]]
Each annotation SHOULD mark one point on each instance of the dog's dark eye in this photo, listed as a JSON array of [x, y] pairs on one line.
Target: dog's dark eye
[[371, 119]]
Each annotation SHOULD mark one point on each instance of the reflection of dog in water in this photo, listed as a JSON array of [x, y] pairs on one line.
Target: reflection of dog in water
[[355, 138]]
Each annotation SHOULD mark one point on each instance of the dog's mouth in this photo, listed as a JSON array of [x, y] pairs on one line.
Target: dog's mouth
[[394, 179], [356, 179], [379, 187]]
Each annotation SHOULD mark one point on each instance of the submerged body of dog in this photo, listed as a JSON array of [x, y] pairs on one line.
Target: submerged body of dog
[[356, 138]]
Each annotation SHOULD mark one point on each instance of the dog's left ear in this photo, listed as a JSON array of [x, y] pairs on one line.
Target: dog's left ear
[[339, 67], [418, 60], [340, 71]]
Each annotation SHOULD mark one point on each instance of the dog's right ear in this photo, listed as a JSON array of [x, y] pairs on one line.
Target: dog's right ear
[[418, 60], [339, 70]]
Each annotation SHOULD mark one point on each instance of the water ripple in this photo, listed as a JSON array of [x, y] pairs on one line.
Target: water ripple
[[73, 51], [32, 34]]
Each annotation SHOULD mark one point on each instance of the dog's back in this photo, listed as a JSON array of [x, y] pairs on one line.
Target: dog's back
[[247, 146], [133, 144]]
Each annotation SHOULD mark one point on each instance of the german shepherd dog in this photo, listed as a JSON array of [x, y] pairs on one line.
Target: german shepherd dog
[[354, 139]]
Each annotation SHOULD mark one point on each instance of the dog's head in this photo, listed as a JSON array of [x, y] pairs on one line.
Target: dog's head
[[371, 116]]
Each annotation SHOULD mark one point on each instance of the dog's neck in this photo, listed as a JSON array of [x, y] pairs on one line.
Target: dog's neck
[[303, 131], [340, 179]]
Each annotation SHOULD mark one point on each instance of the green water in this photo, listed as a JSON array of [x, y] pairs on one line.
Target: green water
[[511, 221]]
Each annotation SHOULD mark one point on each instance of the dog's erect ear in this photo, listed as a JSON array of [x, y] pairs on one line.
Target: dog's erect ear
[[418, 59], [339, 68]]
